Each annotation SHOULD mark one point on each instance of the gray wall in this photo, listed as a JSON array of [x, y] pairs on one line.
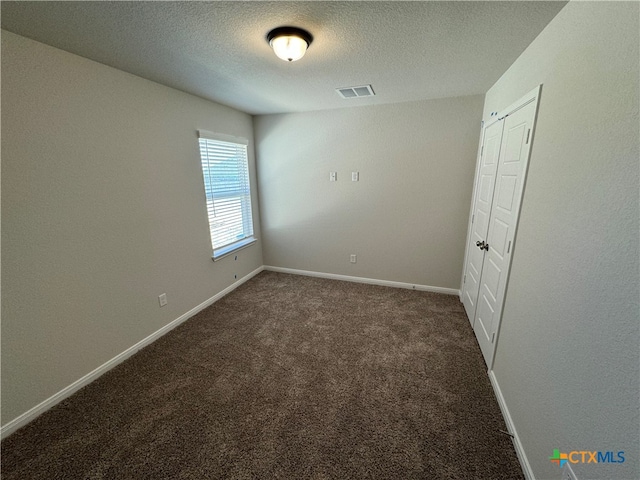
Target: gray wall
[[103, 210], [567, 358], [406, 219]]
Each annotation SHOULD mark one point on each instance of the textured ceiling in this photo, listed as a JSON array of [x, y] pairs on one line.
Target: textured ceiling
[[217, 50]]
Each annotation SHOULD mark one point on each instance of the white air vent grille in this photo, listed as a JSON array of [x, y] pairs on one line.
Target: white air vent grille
[[355, 92]]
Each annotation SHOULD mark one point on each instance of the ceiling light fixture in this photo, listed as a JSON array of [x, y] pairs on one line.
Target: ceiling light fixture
[[289, 43]]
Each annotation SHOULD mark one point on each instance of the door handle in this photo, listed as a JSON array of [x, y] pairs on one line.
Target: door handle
[[482, 245]]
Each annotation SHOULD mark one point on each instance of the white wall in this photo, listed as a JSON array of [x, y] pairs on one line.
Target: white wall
[[567, 359], [405, 219], [103, 210]]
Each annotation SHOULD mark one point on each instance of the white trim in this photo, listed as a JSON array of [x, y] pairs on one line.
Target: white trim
[[532, 96], [233, 247], [31, 414], [372, 281], [522, 102], [522, 456]]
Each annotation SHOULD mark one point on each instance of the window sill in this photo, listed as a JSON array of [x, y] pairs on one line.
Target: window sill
[[234, 247]]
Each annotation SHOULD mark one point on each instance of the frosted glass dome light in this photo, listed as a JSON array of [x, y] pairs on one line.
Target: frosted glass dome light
[[289, 43]]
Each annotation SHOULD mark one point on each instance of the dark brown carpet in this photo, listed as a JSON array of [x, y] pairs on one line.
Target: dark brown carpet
[[287, 377]]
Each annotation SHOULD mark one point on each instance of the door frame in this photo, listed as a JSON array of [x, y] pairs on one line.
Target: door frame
[[532, 96]]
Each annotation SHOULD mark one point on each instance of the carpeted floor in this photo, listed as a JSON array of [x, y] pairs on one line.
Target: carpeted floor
[[287, 377]]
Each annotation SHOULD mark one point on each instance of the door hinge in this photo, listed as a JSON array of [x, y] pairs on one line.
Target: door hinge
[[481, 150], [509, 247], [528, 135], [493, 337], [473, 217], [464, 280]]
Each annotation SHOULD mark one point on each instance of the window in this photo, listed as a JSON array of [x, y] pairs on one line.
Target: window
[[225, 170]]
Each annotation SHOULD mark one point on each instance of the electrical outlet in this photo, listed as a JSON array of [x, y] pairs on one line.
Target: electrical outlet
[[567, 472], [352, 259], [355, 176], [163, 299]]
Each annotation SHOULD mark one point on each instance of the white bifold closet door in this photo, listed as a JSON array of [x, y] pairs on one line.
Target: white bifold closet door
[[499, 187], [485, 184]]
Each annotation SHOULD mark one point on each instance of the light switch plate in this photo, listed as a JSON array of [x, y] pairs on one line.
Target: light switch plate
[[162, 299]]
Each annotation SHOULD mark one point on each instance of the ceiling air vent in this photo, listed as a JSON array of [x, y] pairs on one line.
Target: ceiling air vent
[[355, 92]]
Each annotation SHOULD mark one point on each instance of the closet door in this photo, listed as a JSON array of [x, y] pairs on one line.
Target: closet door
[[512, 165], [482, 211]]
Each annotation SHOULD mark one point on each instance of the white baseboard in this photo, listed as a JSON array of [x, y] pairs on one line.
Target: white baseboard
[[45, 405], [372, 281], [522, 456], [31, 414]]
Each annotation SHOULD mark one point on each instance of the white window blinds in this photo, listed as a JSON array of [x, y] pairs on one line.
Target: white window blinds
[[225, 170]]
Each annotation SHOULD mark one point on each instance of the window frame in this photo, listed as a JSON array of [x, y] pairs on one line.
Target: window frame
[[222, 251]]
